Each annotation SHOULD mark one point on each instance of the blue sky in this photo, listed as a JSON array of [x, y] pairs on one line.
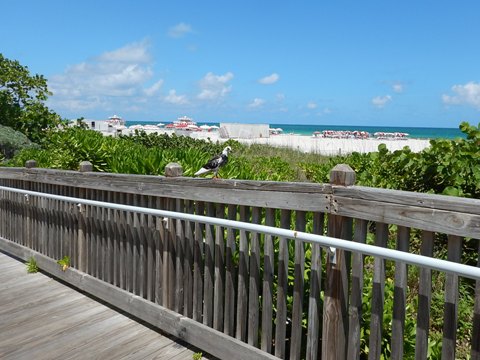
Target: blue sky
[[392, 63]]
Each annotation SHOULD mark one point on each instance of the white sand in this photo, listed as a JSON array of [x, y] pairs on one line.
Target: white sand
[[317, 145], [329, 146]]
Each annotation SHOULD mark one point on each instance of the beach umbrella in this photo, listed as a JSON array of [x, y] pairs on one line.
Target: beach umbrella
[[205, 127], [214, 127], [160, 124]]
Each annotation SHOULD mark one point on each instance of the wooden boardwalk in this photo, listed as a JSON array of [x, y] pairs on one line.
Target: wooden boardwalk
[[40, 318]]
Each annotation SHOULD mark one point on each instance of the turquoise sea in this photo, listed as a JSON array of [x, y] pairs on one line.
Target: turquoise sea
[[414, 132]]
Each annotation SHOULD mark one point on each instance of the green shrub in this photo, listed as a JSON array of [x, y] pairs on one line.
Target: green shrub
[[11, 142]]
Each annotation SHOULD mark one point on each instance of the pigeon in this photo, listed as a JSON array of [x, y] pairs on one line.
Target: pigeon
[[215, 163]]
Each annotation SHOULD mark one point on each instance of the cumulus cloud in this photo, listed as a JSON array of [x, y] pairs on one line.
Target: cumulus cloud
[[175, 99], [256, 103], [468, 94], [214, 87], [179, 30], [270, 79], [131, 53], [381, 101], [111, 75]]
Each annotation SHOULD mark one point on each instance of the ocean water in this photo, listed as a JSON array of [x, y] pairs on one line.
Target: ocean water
[[414, 132], [307, 130]]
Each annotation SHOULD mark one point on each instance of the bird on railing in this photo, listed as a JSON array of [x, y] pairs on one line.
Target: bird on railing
[[215, 163]]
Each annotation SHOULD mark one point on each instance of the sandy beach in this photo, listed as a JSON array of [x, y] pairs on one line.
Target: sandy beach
[[329, 146], [316, 145]]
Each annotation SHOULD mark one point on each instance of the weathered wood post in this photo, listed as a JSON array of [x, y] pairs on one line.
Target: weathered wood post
[[85, 166], [335, 315], [173, 170], [168, 279], [29, 164]]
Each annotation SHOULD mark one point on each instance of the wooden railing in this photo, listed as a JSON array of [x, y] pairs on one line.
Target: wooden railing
[[239, 294]]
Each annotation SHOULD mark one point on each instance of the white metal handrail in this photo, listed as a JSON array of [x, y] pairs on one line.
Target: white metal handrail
[[324, 241]]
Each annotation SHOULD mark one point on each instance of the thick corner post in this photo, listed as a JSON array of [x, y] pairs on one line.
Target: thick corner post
[[30, 164], [335, 310], [173, 170]]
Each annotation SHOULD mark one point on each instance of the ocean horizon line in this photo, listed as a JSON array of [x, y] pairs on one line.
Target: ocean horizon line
[[309, 129]]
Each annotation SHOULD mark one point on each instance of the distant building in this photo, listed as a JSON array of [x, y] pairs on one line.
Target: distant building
[[244, 131], [113, 125]]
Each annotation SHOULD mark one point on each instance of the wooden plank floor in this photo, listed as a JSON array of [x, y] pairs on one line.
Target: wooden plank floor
[[40, 318]]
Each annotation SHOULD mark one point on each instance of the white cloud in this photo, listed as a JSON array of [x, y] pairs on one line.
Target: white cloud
[[131, 53], [102, 80], [175, 99], [270, 79], [468, 94], [179, 30], [312, 105], [256, 103], [381, 101], [398, 87], [152, 90], [214, 87]]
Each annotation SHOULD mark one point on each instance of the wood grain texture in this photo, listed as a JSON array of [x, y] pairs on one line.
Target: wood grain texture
[[50, 320]]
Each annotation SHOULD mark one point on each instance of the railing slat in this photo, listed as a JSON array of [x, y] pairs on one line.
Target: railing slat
[[378, 296], [450, 313], [218, 295], [129, 247], [121, 225], [109, 233], [209, 271], [299, 270], [475, 353], [242, 291], [179, 257], [198, 265], [356, 297], [254, 283], [399, 296], [267, 293], [230, 276], [136, 247], [169, 260], [160, 235], [44, 223], [188, 261], [314, 302], [282, 288]]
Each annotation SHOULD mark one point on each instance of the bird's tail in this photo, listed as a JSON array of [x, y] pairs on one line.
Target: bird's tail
[[202, 171]]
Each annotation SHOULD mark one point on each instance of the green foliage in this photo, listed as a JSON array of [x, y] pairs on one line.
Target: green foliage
[[197, 356], [12, 141], [22, 98], [450, 167], [32, 266], [64, 262]]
